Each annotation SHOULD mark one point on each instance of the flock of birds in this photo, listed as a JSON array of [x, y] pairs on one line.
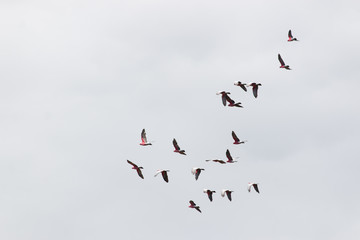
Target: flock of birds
[[196, 170]]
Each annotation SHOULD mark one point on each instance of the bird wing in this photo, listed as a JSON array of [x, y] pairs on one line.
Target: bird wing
[[249, 187], [219, 161], [256, 187], [198, 208], [223, 192], [234, 136], [210, 193], [223, 97], [192, 203], [229, 99], [157, 173], [228, 193], [143, 136], [140, 173], [165, 176], [197, 173], [290, 35], [228, 155], [243, 87], [176, 146], [280, 60], [132, 163], [255, 90]]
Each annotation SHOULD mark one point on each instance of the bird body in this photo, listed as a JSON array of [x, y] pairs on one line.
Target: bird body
[[227, 192], [236, 139], [196, 171], [255, 87], [283, 65], [242, 85], [255, 186], [193, 205], [232, 102], [224, 94], [177, 148], [229, 157], [209, 193], [137, 168], [291, 38], [144, 141]]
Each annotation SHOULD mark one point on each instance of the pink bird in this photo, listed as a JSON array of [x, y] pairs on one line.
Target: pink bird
[[193, 205], [283, 63], [144, 141], [229, 157], [227, 192], [223, 96], [291, 38], [232, 102], [209, 193], [138, 169], [236, 139], [164, 174], [177, 148], [242, 85], [255, 87], [254, 185], [196, 171]]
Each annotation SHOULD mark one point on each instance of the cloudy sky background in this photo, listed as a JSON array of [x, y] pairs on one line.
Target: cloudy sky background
[[81, 79]]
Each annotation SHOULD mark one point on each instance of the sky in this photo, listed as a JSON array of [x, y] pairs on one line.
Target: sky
[[81, 79]]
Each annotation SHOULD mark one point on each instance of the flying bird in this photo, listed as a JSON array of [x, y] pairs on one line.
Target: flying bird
[[196, 171], [227, 192], [236, 139], [232, 102], [144, 141], [242, 85], [283, 63], [255, 87], [138, 169], [216, 160], [291, 38], [229, 157], [254, 185], [164, 174], [193, 205], [209, 193], [177, 148], [223, 96]]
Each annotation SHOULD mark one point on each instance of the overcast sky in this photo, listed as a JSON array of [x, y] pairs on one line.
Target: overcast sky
[[81, 79]]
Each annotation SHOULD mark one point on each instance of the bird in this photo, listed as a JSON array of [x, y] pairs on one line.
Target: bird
[[216, 160], [291, 38], [138, 169], [177, 148], [242, 85], [236, 139], [209, 193], [254, 185], [229, 157], [255, 87], [193, 205], [196, 171], [144, 141], [283, 63], [223, 96], [227, 192], [164, 174], [232, 102]]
